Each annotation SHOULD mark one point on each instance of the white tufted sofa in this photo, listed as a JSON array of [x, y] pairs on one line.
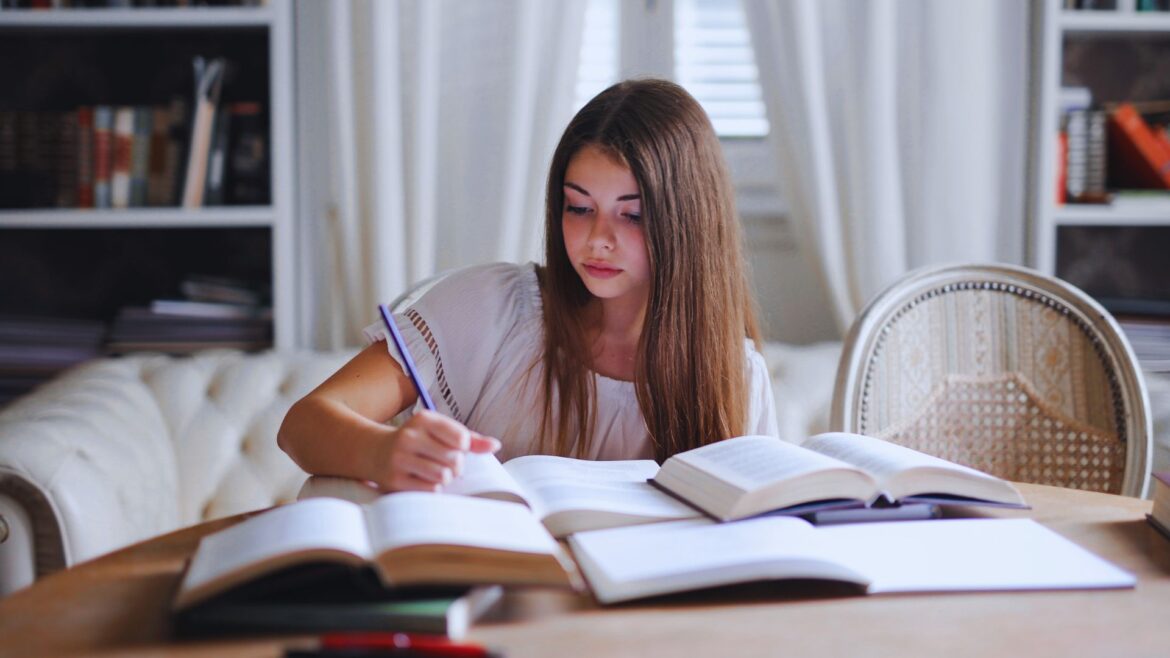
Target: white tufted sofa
[[119, 450], [123, 449]]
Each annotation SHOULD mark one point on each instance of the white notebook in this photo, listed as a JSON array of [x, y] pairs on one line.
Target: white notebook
[[926, 556]]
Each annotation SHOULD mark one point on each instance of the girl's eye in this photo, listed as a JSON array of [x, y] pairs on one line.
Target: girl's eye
[[576, 210], [634, 217]]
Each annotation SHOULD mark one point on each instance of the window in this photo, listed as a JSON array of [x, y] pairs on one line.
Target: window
[[705, 46]]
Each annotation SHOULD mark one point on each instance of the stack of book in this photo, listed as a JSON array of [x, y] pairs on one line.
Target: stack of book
[[213, 312], [34, 350]]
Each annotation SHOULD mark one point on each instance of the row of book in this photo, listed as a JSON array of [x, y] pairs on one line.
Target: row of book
[[1111, 5], [211, 312], [1119, 147], [107, 156]]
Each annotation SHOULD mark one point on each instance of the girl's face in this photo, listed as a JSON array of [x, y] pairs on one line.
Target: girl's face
[[602, 226]]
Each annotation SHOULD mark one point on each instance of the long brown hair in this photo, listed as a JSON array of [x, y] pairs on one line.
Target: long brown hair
[[691, 368]]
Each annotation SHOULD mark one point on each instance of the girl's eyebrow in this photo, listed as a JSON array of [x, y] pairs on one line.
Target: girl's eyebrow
[[624, 197]]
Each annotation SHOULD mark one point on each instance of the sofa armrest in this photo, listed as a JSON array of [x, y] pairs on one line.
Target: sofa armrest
[[86, 466]]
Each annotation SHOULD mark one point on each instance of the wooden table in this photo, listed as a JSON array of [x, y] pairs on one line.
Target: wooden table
[[118, 604]]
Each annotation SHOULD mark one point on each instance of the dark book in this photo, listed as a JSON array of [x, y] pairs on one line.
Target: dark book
[[1159, 515], [322, 598], [84, 148], [248, 168]]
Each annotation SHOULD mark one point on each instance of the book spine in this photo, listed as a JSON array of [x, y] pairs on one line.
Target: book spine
[[1139, 160], [103, 138], [66, 158], [157, 181], [84, 157], [140, 155], [123, 145]]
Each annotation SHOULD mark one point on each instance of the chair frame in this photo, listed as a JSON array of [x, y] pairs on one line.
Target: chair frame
[[867, 335]]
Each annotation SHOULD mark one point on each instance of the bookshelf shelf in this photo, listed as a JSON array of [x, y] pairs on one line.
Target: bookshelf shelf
[[1107, 215], [181, 18], [1114, 21], [92, 263], [1091, 63], [218, 217]]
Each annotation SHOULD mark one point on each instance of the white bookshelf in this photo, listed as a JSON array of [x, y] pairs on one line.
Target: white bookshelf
[[1054, 29], [272, 20]]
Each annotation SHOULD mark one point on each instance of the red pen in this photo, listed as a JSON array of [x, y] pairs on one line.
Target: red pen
[[422, 645]]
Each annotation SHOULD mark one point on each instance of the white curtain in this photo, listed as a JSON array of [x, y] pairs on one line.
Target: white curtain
[[426, 128], [899, 128]]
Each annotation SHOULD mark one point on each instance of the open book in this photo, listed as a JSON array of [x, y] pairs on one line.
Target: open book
[[405, 538], [751, 475], [949, 555], [567, 495]]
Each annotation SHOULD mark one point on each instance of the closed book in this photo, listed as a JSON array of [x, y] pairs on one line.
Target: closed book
[[158, 180], [123, 149], [103, 140], [140, 155], [334, 605], [1159, 515], [84, 157]]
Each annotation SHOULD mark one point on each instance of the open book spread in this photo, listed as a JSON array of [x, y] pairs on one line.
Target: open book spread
[[947, 555], [750, 475], [572, 495], [407, 538]]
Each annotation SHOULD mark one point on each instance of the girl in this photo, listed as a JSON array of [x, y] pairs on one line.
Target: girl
[[636, 339]]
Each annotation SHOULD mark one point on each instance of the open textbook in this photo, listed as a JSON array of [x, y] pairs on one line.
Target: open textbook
[[947, 555], [405, 538], [750, 475], [567, 495]]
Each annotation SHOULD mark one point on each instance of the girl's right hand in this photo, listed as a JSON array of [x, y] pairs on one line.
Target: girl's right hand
[[426, 452]]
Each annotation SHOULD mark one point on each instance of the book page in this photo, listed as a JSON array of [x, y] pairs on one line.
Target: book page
[[561, 484], [318, 525], [640, 561], [750, 462], [890, 463], [414, 518], [483, 475], [969, 555]]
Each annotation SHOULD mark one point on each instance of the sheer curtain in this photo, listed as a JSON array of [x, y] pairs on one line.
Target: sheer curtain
[[426, 127], [899, 128]]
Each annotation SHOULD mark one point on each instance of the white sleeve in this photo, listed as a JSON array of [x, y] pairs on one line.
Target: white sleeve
[[455, 329], [762, 409]]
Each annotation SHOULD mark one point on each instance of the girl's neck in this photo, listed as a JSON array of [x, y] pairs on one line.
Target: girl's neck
[[612, 331]]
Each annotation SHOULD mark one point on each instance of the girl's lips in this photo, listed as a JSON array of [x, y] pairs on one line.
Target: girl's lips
[[600, 271]]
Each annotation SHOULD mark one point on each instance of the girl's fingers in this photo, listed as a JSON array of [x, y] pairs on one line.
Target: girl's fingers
[[481, 443]]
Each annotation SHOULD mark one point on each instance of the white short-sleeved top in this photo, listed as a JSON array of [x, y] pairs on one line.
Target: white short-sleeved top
[[474, 336]]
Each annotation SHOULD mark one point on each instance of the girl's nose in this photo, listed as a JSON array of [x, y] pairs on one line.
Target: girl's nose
[[601, 234]]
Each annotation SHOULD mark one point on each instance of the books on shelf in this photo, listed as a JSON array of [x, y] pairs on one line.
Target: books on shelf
[[622, 564], [1150, 339], [144, 155], [751, 475], [1159, 515], [1139, 155], [406, 539]]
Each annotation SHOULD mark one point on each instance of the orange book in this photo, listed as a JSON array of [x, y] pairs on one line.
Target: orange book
[[1137, 157]]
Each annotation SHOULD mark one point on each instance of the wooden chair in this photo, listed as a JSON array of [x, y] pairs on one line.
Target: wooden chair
[[1003, 369]]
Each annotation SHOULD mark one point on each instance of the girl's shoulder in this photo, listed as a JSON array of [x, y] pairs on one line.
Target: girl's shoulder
[[491, 284]]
